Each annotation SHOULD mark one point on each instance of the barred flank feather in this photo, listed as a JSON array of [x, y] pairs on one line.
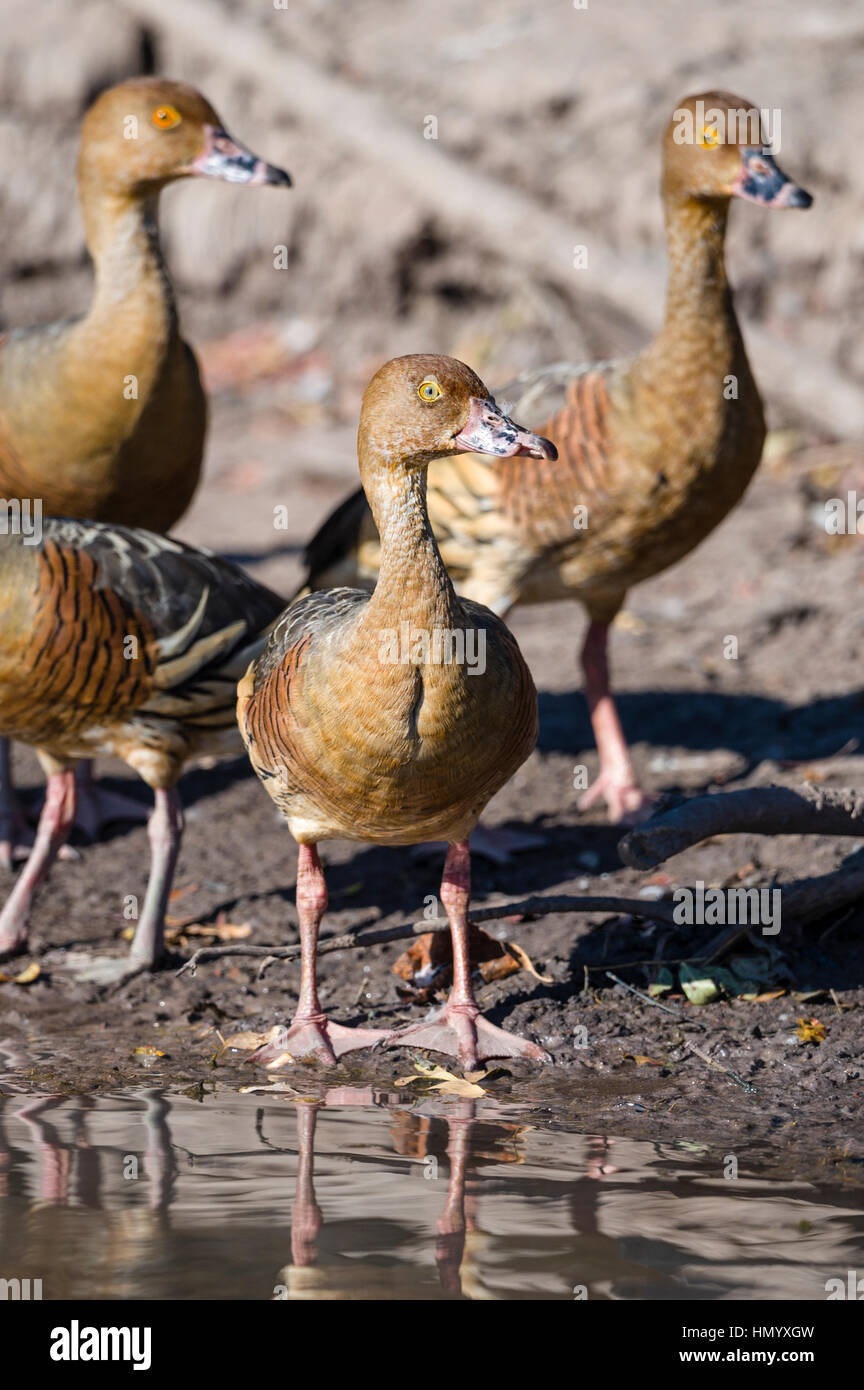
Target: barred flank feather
[[123, 641]]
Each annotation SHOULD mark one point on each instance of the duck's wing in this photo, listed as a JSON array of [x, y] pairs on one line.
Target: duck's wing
[[337, 544], [537, 498], [127, 627], [541, 393]]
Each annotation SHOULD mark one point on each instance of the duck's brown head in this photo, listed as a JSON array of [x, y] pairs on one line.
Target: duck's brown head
[[145, 133], [427, 406], [717, 147]]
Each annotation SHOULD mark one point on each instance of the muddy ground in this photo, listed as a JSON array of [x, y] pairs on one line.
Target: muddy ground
[[286, 355], [788, 709]]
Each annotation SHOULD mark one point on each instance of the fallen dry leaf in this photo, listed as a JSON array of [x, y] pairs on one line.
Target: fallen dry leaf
[[182, 891], [222, 931], [641, 1060], [427, 965], [526, 962], [176, 928], [26, 977], [626, 621], [445, 1082], [811, 1030], [246, 1042]]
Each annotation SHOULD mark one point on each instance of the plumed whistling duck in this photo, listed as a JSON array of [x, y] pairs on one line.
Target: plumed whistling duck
[[104, 416], [363, 717], [120, 642], [655, 451]]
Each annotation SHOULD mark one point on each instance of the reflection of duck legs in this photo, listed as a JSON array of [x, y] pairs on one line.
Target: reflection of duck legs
[[137, 1239], [160, 1163], [464, 1137], [307, 1217], [348, 1279], [305, 1214], [451, 1224], [55, 1158]]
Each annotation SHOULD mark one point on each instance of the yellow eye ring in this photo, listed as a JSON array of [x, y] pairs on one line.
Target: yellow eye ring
[[166, 117], [429, 390], [709, 136]]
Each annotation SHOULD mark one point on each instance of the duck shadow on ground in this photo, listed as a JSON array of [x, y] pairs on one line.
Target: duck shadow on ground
[[809, 960], [392, 885], [754, 726]]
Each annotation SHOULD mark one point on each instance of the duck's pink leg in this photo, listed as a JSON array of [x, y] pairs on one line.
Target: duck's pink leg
[[460, 1029], [616, 782], [55, 823], [311, 1032], [165, 831]]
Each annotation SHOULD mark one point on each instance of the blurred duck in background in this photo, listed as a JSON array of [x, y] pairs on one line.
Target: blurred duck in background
[[125, 643], [104, 416], [653, 452]]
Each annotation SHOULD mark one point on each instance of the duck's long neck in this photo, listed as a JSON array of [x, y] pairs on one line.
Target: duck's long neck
[[132, 318], [699, 322], [412, 582]]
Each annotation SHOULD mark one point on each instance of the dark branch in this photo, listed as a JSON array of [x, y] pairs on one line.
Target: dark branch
[[756, 810]]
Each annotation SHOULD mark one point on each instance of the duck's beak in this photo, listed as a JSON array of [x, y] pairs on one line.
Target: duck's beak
[[223, 158], [489, 431], [761, 180]]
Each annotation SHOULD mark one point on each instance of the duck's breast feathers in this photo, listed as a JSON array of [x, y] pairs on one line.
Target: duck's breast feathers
[[356, 733]]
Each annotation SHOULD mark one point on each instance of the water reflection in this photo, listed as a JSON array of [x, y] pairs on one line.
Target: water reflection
[[357, 1194], [446, 1148]]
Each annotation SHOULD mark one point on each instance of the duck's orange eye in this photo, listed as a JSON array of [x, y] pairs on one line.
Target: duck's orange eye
[[166, 117], [429, 390], [709, 136]]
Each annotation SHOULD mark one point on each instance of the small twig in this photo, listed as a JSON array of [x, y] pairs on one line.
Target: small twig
[[647, 998], [718, 1066], [537, 906], [835, 924]]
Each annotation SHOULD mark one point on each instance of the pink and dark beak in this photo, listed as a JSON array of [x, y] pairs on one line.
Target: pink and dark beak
[[489, 431], [223, 158], [761, 180]]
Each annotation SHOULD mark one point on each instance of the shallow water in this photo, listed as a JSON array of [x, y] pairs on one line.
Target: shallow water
[[151, 1194]]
